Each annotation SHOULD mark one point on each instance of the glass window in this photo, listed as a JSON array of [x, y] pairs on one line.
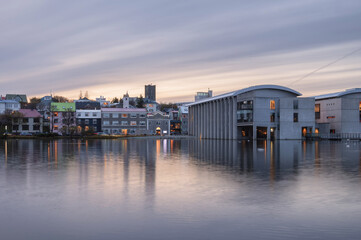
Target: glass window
[[105, 123], [295, 117], [317, 111], [94, 114], [87, 114], [86, 121], [133, 123], [115, 115], [272, 105], [295, 104], [105, 115], [25, 127], [124, 115], [142, 123], [133, 115], [95, 121], [272, 118], [124, 123], [115, 123], [142, 115]]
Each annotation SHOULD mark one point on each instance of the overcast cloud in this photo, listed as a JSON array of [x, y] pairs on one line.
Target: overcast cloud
[[110, 47]]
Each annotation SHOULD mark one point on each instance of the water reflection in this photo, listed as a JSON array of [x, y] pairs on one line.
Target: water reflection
[[176, 189]]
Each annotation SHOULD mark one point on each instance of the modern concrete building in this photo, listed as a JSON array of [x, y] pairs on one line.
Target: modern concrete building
[[27, 121], [264, 111], [339, 113], [124, 120], [150, 92], [88, 120], [158, 123]]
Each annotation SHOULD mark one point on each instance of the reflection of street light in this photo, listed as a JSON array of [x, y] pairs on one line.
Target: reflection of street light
[[6, 128]]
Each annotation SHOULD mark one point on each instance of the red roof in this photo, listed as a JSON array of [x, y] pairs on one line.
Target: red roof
[[30, 113]]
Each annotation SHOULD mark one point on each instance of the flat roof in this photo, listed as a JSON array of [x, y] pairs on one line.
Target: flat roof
[[338, 94], [124, 110], [244, 90]]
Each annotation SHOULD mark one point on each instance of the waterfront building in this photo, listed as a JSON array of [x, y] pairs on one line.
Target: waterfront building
[[27, 121], [124, 120], [158, 123], [150, 92], [203, 95], [183, 117], [62, 120], [264, 111], [88, 120], [339, 113], [44, 109], [9, 106]]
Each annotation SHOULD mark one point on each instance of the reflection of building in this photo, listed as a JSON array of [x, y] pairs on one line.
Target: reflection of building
[[28, 121], [124, 120], [265, 111], [62, 117], [150, 92], [203, 95], [339, 112], [158, 123], [88, 120]]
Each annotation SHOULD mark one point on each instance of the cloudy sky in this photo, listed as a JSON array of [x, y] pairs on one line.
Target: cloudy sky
[[108, 47]]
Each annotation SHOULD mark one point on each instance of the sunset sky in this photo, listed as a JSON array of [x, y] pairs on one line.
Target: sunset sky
[[110, 47]]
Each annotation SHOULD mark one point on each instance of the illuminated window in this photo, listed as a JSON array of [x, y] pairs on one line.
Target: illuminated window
[[133, 123], [316, 131], [124, 115], [55, 114], [272, 105], [317, 111]]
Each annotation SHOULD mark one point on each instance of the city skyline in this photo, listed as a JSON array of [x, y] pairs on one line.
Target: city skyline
[[109, 48]]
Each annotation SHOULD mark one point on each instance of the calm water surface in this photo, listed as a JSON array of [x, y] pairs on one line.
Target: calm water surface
[[179, 189]]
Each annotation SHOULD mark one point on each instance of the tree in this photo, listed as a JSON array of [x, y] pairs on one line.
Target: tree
[[115, 100], [5, 122], [68, 120], [60, 99], [35, 100], [163, 106], [140, 102]]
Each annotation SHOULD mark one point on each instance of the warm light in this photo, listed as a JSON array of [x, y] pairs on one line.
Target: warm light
[[316, 130], [272, 104]]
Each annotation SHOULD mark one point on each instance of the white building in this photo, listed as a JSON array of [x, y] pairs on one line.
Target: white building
[[339, 113], [103, 101], [9, 105], [264, 111]]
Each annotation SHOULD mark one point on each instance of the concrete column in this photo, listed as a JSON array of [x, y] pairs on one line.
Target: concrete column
[[214, 125], [218, 119], [235, 130], [226, 125], [221, 112]]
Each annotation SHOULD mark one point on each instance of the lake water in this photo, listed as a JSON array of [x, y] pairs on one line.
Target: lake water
[[179, 189]]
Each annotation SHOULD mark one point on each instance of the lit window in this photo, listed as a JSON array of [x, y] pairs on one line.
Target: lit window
[[133, 123], [272, 105]]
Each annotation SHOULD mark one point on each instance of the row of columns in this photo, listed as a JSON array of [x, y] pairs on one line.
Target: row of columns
[[215, 119]]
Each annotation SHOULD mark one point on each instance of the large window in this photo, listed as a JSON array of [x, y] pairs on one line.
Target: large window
[[124, 115], [245, 111], [317, 111], [295, 103], [272, 104], [124, 123], [133, 123], [115, 123]]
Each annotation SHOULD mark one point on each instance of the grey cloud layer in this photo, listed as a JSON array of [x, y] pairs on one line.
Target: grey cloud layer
[[69, 44]]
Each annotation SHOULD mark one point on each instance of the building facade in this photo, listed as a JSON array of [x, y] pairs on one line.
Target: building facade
[[124, 121], [150, 92], [27, 121], [203, 95], [9, 106], [265, 111], [88, 120], [158, 123], [62, 119], [339, 113]]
